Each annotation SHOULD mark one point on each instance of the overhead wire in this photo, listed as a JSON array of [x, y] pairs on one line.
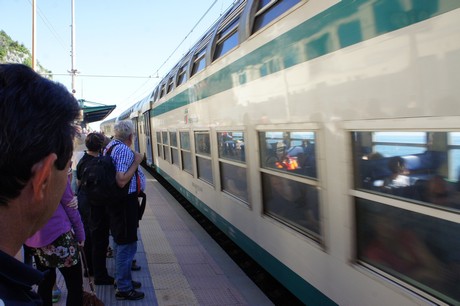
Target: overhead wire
[[186, 36]]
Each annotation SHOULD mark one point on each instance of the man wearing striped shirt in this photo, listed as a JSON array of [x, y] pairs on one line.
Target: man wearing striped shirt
[[124, 217]]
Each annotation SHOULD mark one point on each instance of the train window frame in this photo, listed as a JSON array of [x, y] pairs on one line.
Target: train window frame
[[174, 147], [162, 90], [159, 144], [203, 159], [271, 7], [165, 146], [421, 165], [185, 152], [170, 85], [230, 168], [199, 61], [227, 35], [312, 229], [181, 75], [403, 204]]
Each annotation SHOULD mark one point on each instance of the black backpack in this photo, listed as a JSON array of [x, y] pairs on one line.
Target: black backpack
[[99, 182]]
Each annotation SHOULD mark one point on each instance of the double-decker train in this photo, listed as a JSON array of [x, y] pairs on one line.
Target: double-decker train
[[323, 137]]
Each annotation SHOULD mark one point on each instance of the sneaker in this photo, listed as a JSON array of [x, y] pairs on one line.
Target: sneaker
[[136, 285], [108, 280], [56, 295], [129, 295]]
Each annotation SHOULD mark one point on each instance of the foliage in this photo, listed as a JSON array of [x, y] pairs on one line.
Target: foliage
[[14, 52]]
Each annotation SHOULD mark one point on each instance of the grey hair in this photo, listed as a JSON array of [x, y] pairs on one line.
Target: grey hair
[[123, 129]]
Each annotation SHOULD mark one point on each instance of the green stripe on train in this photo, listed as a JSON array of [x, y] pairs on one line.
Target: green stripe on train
[[312, 39], [292, 281]]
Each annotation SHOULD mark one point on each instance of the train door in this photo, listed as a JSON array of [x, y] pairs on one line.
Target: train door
[[148, 139], [136, 141]]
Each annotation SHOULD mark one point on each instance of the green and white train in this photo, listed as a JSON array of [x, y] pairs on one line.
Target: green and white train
[[323, 137]]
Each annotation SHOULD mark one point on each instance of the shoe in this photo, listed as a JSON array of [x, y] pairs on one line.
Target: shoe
[[108, 280], [134, 266], [56, 295], [136, 285], [129, 295]]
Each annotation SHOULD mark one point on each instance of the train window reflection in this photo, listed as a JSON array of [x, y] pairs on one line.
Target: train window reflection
[[202, 143], [419, 166], [181, 75], [234, 180], [292, 202], [227, 39], [269, 10], [231, 145], [185, 140], [173, 138], [419, 249], [199, 61], [187, 162], [159, 146], [174, 150], [289, 151], [204, 169]]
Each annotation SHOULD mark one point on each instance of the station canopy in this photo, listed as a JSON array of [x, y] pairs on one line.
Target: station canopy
[[93, 111]]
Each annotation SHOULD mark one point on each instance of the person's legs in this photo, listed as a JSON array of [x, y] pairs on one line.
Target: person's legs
[[124, 254], [45, 288], [100, 241], [74, 283]]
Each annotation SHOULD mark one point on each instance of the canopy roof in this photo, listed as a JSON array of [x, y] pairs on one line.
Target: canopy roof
[[93, 111]]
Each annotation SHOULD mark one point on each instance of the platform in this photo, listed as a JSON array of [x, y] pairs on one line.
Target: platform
[[181, 264]]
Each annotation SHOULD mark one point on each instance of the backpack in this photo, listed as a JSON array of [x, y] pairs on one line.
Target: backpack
[[99, 182]]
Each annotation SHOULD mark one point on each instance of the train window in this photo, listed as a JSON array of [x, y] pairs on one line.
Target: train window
[[232, 161], [289, 151], [227, 39], [268, 10], [417, 249], [292, 202], [174, 149], [202, 143], [162, 90], [166, 153], [419, 166], [203, 156], [182, 75], [186, 155], [170, 84], [199, 61], [159, 146], [234, 180], [231, 145]]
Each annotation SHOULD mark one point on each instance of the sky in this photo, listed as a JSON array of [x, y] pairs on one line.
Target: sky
[[129, 44]]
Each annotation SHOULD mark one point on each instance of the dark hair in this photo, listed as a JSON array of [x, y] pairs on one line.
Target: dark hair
[[94, 141], [37, 117]]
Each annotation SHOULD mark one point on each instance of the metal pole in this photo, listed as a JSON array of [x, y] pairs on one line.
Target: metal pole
[[73, 71], [34, 42]]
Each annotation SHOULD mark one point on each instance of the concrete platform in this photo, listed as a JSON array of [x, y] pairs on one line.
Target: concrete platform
[[181, 264]]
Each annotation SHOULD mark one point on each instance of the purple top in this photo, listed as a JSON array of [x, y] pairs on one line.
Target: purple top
[[64, 219]]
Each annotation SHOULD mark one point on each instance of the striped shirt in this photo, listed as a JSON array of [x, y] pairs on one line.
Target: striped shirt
[[123, 158]]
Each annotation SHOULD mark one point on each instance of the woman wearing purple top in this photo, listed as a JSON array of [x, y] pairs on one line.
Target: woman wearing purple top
[[54, 246]]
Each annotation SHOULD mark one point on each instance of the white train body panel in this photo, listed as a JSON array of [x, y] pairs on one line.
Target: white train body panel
[[404, 80]]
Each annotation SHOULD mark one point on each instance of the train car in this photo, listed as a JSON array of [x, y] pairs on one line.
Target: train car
[[323, 137], [106, 127]]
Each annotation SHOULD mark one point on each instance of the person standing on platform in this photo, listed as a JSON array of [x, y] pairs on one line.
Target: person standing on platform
[[36, 144], [124, 217], [95, 217], [55, 246]]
